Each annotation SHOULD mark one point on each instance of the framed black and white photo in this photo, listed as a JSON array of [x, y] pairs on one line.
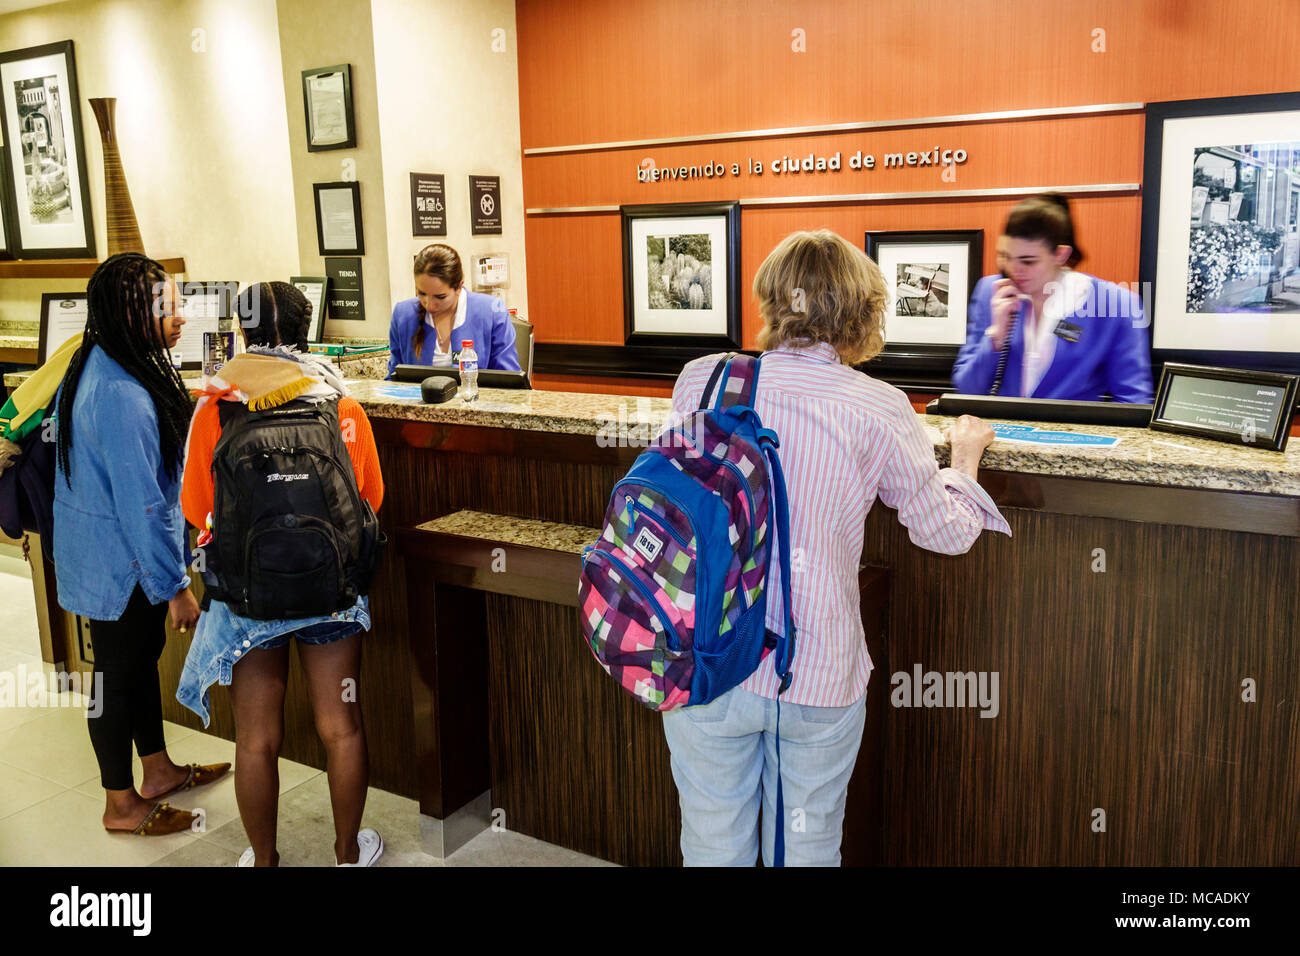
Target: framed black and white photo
[[929, 276], [45, 186], [327, 103], [313, 287], [1221, 231], [338, 219], [63, 316], [681, 274]]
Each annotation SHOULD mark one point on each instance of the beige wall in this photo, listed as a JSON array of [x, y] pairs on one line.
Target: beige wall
[[315, 33], [449, 103], [202, 133], [214, 143]]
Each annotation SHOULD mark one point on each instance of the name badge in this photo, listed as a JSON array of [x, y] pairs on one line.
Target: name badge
[[1068, 331]]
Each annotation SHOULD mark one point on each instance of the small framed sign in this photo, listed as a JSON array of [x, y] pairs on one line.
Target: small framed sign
[[1226, 404], [327, 103], [313, 287], [428, 208], [338, 219], [485, 205], [345, 298], [63, 316], [204, 305]]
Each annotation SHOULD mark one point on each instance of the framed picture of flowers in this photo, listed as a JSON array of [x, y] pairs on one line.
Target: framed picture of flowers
[[1220, 259], [681, 274]]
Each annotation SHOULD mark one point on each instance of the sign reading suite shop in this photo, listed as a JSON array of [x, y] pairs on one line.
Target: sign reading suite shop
[[938, 156]]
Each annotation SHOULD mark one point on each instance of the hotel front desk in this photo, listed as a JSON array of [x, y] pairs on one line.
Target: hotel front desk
[[1140, 624]]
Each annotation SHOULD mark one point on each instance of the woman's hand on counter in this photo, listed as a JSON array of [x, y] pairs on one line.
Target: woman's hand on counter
[[969, 436]]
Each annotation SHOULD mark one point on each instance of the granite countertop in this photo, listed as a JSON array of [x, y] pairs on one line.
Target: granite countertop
[[1141, 457], [550, 535]]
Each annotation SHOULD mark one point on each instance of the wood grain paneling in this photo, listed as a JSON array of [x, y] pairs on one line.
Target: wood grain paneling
[[1118, 690]]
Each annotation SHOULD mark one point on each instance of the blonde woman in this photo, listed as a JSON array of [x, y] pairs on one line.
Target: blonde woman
[[846, 439]]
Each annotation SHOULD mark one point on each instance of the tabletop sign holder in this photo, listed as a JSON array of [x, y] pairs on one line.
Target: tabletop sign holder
[[1239, 406]]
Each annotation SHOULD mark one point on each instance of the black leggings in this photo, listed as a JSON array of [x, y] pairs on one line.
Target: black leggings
[[125, 688]]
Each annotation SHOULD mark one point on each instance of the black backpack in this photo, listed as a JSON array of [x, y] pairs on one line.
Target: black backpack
[[293, 537]]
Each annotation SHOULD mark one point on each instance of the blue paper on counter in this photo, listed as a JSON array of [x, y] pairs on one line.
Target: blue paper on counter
[[1038, 436], [399, 391]]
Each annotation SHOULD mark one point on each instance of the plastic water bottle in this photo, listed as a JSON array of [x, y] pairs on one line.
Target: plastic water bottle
[[468, 371]]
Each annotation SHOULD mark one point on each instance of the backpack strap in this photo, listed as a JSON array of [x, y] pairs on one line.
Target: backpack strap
[[736, 380]]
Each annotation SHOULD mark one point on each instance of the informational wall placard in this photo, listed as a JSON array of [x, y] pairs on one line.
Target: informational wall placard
[[428, 204], [344, 293], [204, 305], [63, 316], [485, 205]]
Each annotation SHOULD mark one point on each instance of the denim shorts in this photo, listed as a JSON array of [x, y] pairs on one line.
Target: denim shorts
[[326, 632]]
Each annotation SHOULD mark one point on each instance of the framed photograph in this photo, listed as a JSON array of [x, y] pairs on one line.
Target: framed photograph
[[1221, 231], [45, 186], [63, 316], [681, 274], [929, 276], [313, 287], [1239, 406], [327, 104], [338, 219]]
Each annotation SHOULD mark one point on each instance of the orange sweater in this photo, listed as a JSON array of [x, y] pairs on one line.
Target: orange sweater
[[205, 431]]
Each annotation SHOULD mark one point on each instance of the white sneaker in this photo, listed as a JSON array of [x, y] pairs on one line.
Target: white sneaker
[[246, 858], [371, 847]]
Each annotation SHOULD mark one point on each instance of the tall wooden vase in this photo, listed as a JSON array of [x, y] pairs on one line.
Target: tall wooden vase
[[123, 230]]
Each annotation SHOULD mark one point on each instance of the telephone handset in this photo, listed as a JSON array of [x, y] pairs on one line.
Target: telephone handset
[[1006, 346]]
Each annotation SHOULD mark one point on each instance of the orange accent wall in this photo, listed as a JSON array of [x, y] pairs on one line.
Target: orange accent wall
[[596, 71]]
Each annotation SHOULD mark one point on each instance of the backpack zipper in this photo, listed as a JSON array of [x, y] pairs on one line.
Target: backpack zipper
[[657, 521], [655, 606]]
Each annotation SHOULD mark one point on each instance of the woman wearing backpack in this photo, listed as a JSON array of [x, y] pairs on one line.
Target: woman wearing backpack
[[845, 439], [252, 655], [119, 539]]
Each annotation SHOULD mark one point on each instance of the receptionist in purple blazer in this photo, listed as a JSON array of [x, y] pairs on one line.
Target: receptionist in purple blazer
[[1043, 330], [430, 328]]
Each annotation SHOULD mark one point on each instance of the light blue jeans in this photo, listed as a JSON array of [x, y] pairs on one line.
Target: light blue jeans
[[724, 761]]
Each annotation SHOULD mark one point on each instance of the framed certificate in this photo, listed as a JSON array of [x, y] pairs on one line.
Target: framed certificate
[[63, 316], [313, 287], [338, 219], [204, 305], [327, 103]]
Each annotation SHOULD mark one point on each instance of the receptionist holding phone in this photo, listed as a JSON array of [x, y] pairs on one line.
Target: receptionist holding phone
[[1042, 330], [430, 328]]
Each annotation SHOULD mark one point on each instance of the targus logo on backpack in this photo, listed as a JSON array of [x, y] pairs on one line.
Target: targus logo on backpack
[[278, 477]]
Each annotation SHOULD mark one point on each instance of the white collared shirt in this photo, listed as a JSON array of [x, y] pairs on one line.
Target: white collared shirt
[[462, 309], [1040, 338]]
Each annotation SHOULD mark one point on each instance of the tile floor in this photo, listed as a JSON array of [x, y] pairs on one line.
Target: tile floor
[[51, 802]]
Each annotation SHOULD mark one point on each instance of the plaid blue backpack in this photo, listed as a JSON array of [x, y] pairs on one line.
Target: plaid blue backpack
[[673, 595]]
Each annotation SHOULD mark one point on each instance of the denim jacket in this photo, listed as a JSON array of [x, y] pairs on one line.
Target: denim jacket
[[120, 524], [223, 638]]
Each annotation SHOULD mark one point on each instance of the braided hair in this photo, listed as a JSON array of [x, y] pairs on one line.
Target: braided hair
[[275, 313], [120, 320], [441, 262]]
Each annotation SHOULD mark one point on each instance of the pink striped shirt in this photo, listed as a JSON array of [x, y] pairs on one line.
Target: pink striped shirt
[[845, 439]]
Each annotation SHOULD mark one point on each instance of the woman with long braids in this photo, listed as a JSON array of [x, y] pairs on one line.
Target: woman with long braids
[[119, 537], [431, 328]]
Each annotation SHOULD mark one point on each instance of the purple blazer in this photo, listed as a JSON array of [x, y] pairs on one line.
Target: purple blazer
[[1111, 355]]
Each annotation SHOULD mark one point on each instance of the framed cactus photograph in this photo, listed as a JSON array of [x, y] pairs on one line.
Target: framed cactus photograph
[[681, 270]]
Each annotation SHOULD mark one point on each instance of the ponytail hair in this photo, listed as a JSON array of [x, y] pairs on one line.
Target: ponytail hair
[[1045, 218]]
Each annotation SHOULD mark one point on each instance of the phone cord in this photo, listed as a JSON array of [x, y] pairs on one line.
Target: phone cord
[[1002, 356]]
